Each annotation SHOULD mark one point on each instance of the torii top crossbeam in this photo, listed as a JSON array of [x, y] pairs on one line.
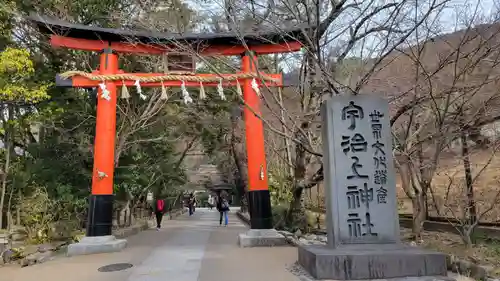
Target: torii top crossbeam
[[90, 38]]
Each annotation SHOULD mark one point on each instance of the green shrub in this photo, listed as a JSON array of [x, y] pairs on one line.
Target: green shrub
[[279, 215]]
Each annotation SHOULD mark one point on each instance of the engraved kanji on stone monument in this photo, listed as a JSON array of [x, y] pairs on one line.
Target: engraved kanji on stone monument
[[360, 227], [380, 176], [359, 172], [354, 224], [375, 122], [355, 143], [366, 195], [352, 195], [378, 148], [355, 169], [381, 195], [352, 112], [368, 226], [379, 162]]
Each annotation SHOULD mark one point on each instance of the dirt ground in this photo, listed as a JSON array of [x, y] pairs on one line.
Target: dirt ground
[[485, 252], [449, 182]]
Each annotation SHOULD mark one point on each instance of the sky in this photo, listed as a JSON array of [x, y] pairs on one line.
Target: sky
[[449, 16], [450, 19]]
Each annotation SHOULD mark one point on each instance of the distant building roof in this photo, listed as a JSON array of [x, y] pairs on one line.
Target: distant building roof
[[220, 187]]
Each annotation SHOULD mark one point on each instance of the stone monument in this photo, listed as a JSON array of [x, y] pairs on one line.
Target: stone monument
[[362, 219]]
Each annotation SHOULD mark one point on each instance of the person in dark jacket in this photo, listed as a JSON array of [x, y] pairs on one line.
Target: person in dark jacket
[[191, 204], [223, 208]]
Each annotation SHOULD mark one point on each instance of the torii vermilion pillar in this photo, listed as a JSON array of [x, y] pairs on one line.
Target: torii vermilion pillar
[[110, 42], [100, 216], [259, 201]]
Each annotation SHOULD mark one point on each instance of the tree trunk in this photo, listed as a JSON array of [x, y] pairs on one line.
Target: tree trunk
[[418, 205], [288, 152], [18, 207], [8, 148], [414, 189], [421, 169], [470, 209], [9, 220], [9, 206], [9, 203], [295, 217], [416, 199], [296, 213]]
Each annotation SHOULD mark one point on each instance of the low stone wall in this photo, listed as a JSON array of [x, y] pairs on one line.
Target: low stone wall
[[35, 254], [429, 225], [490, 232], [244, 217], [145, 224]]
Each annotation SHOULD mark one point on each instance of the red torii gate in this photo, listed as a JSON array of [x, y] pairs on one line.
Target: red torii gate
[[111, 42]]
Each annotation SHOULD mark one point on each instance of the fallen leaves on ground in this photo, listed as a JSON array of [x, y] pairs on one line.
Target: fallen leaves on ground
[[485, 253]]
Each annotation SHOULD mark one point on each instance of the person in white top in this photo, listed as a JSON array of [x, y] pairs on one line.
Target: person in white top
[[211, 202]]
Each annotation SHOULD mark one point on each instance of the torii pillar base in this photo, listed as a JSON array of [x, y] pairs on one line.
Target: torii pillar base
[[96, 245], [261, 238]]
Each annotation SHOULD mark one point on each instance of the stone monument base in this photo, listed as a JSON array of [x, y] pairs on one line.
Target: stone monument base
[[261, 238], [370, 261], [96, 245]]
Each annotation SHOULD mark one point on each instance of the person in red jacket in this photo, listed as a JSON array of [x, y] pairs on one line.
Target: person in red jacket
[[159, 211]]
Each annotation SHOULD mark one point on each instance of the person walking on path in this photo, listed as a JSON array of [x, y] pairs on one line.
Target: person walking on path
[[223, 208], [211, 202], [191, 202], [159, 211]]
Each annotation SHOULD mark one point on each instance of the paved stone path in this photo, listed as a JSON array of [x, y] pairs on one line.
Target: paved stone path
[[186, 249]]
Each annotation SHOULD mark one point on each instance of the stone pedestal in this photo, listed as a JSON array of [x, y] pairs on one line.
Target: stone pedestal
[[96, 245], [371, 261], [261, 238]]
